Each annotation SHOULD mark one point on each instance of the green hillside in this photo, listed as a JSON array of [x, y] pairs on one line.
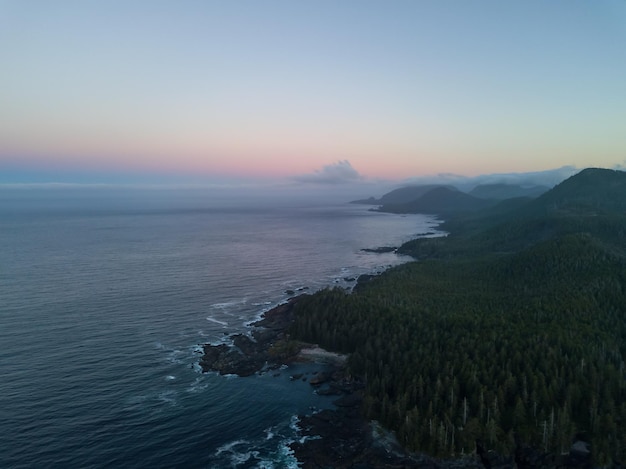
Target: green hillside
[[506, 191], [441, 201], [515, 329], [403, 195], [593, 201]]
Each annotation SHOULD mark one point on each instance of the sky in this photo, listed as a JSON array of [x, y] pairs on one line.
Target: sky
[[310, 92]]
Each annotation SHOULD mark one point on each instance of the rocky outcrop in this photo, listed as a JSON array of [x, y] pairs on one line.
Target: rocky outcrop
[[267, 346], [380, 250]]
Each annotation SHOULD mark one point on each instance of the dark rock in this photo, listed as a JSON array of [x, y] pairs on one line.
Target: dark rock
[[363, 279], [234, 362], [320, 378], [350, 400], [265, 348], [329, 391], [380, 250], [345, 440], [263, 337], [279, 317], [245, 344], [212, 353]]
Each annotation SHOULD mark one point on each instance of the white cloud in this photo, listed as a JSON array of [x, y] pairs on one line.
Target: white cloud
[[620, 166], [340, 172], [547, 178]]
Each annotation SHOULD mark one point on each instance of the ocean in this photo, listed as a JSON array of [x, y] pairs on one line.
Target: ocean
[[106, 300]]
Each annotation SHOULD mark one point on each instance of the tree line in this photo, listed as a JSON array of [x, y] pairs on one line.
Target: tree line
[[528, 344]]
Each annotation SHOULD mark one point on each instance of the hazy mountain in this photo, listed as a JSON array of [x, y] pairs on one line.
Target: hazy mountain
[[592, 191], [592, 202], [403, 195], [441, 201], [394, 200], [525, 297], [506, 191]]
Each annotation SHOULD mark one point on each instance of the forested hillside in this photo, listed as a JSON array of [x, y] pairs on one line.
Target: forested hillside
[[515, 330], [442, 201], [506, 191], [403, 195]]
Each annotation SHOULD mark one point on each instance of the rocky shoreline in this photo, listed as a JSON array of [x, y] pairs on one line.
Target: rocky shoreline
[[267, 347], [343, 437], [337, 438]]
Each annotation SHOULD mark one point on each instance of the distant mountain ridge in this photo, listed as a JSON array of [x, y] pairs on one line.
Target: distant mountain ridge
[[592, 202], [440, 201], [506, 191], [446, 199], [521, 317], [403, 195], [593, 190]]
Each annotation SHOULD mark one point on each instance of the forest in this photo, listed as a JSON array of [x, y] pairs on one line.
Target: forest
[[512, 328]]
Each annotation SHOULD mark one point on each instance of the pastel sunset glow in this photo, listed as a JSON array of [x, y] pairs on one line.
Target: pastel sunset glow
[[282, 90]]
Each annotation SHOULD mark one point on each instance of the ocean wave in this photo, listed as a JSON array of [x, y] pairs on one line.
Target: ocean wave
[[257, 454], [263, 303], [228, 306], [168, 397], [293, 424], [283, 458], [224, 305], [235, 454], [229, 446], [174, 356], [217, 321], [198, 385]]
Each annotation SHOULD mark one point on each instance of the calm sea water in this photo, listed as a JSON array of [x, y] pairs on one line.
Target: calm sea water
[[104, 304]]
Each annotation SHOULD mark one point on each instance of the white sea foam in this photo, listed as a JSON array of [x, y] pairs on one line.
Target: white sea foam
[[229, 446], [240, 458], [306, 438], [217, 321], [198, 385], [237, 452], [293, 423], [168, 397], [285, 449], [281, 458], [170, 377], [259, 314], [175, 357], [286, 455], [225, 305]]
